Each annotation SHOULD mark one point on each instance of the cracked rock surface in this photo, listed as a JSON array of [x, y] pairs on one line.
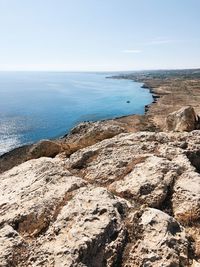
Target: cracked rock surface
[[162, 242], [128, 200]]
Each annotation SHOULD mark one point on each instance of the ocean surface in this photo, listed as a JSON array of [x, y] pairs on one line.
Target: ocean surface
[[44, 105]]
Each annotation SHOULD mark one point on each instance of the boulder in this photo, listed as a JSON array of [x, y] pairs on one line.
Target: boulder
[[182, 120], [44, 148], [88, 133], [162, 242]]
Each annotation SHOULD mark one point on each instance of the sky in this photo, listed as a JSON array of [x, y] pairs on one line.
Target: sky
[[99, 35]]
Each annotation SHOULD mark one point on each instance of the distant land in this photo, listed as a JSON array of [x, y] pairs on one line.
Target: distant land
[[119, 192]]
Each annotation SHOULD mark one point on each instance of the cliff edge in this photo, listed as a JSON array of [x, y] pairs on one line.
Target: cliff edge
[[113, 193]]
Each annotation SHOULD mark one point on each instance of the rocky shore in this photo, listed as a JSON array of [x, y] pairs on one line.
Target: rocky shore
[[123, 192]]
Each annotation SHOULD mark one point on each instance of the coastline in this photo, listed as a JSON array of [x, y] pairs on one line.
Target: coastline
[[170, 92], [128, 171], [61, 113]]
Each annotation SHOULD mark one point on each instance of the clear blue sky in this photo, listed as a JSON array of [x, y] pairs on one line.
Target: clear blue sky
[[99, 34]]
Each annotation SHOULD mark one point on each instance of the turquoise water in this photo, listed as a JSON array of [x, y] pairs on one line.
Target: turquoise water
[[39, 105]]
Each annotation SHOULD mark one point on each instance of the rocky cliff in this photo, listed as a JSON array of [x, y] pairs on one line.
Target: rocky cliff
[[114, 193]]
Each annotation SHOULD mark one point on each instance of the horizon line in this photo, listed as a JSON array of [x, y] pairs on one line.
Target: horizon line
[[129, 70]]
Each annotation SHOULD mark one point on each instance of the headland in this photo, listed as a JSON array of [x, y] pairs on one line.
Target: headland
[[122, 192]]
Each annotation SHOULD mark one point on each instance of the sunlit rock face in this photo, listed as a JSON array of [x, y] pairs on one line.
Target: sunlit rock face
[[128, 200], [182, 120]]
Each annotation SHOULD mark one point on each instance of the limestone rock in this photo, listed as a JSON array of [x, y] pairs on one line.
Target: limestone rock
[[162, 242], [32, 193], [12, 247], [186, 197], [149, 182], [52, 217], [184, 119], [44, 148], [13, 158], [110, 159], [88, 232], [89, 133], [195, 264], [47, 220]]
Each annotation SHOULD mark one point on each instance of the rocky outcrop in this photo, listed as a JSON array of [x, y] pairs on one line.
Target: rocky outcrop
[[149, 182], [31, 194], [128, 200], [13, 158], [87, 232], [44, 148], [46, 221], [186, 197], [83, 135], [184, 119], [90, 133], [162, 242], [143, 167]]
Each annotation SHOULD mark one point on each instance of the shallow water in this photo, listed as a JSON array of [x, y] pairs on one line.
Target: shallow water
[[39, 105]]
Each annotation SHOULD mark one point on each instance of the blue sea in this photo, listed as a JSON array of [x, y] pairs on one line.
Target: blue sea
[[41, 105]]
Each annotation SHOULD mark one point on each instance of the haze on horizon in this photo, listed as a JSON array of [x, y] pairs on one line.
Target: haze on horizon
[[99, 35]]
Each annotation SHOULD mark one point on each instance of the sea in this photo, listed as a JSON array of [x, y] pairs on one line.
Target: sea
[[46, 105]]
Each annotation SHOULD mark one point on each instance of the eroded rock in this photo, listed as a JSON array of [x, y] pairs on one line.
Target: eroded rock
[[58, 214], [44, 148], [162, 242], [89, 133], [13, 249], [149, 182], [89, 231], [110, 159], [32, 193], [186, 197], [184, 119]]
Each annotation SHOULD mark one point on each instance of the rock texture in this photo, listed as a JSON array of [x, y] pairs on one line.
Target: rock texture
[[87, 232], [83, 135], [89, 133], [182, 120], [11, 246], [31, 194], [128, 200], [195, 264], [162, 242], [149, 182], [77, 230], [44, 148], [186, 197]]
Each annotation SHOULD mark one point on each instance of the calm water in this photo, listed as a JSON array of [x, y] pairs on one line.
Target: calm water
[[41, 105]]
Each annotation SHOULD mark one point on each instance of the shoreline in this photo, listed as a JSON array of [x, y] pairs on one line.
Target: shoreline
[[170, 92], [58, 137], [130, 123], [121, 174]]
